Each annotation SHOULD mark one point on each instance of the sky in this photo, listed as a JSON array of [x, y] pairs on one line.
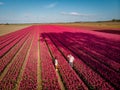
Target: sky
[[51, 11]]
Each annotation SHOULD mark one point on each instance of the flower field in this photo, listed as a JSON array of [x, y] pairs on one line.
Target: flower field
[[27, 59]]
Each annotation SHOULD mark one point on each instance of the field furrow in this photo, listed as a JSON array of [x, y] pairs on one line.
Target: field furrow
[[27, 59], [95, 65], [29, 76], [8, 57], [83, 70], [66, 72], [49, 77], [10, 79]]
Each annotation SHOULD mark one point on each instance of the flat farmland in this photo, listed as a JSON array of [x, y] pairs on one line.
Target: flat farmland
[[4, 29], [27, 58], [94, 25]]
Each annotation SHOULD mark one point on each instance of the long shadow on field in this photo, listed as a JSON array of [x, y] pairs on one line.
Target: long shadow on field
[[109, 31], [108, 48], [97, 52]]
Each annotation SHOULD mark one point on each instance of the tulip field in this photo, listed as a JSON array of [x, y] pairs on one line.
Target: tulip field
[[27, 59]]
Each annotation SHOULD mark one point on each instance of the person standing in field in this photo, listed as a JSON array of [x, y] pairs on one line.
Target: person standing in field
[[56, 64], [71, 59]]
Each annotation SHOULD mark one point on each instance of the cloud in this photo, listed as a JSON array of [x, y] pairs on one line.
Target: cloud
[[1, 3], [52, 5], [74, 14]]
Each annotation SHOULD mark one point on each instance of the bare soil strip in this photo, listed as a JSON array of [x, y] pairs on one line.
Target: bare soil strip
[[60, 81], [23, 68], [58, 75], [39, 80]]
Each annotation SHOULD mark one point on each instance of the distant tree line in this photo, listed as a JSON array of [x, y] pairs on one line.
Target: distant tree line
[[4, 23], [115, 20]]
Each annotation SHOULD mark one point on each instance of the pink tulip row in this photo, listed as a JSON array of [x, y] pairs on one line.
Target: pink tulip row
[[10, 79], [5, 47], [93, 78], [9, 36], [79, 33], [7, 41], [106, 64], [29, 77], [103, 59], [94, 53], [69, 77], [49, 77], [106, 50], [103, 40], [102, 45], [103, 70], [5, 60]]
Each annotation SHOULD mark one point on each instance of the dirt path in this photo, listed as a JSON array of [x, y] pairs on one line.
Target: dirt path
[[60, 81], [39, 80]]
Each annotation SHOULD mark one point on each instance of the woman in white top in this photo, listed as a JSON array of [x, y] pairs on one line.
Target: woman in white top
[[71, 59], [56, 64]]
